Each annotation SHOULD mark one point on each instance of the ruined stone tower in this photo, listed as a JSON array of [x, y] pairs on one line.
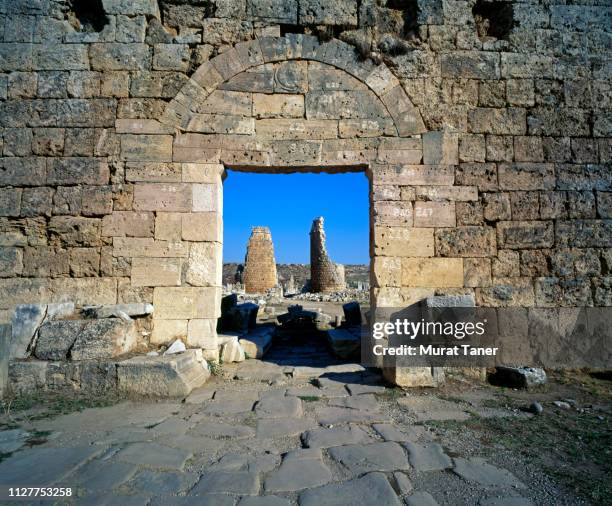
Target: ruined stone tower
[[260, 266], [325, 276]]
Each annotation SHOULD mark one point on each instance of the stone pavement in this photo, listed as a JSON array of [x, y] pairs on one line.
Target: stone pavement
[[328, 436]]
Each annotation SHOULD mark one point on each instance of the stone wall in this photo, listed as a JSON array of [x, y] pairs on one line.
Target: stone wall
[[260, 265], [325, 275], [487, 145]]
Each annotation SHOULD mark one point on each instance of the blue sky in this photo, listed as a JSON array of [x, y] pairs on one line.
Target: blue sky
[[287, 203]]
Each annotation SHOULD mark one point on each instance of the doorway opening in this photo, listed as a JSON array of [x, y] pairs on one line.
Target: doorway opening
[[296, 265]]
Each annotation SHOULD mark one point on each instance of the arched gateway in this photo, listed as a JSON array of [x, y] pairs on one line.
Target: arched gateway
[[283, 104]]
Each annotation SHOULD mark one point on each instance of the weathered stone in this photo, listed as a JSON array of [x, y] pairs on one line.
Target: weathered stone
[[237, 482], [300, 469], [25, 321], [106, 338], [430, 457], [171, 376], [525, 234], [119, 56], [371, 489], [373, 457], [55, 339], [156, 271], [478, 471]]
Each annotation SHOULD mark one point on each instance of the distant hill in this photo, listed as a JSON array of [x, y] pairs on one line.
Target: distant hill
[[301, 273]]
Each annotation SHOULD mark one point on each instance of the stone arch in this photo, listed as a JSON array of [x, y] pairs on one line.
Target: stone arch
[[247, 55]]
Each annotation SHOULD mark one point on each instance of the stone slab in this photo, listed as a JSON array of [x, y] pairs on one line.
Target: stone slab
[[217, 429], [335, 415], [271, 428], [429, 457], [227, 482], [336, 436], [298, 472], [477, 470], [279, 407], [372, 457], [154, 455], [373, 489]]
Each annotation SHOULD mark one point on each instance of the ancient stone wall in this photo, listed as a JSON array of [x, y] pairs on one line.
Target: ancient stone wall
[[259, 264], [325, 275], [486, 140]]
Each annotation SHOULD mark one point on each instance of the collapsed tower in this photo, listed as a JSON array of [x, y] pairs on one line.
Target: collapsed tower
[[325, 275], [260, 266]]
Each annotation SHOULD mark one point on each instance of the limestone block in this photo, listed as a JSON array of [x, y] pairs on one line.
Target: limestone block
[[27, 377], [387, 271], [296, 129], [168, 226], [142, 126], [202, 227], [11, 262], [56, 338], [114, 56], [156, 271], [134, 247], [440, 148], [476, 272], [409, 377], [343, 104], [112, 310], [205, 264], [202, 333], [507, 292], [407, 118], [350, 128], [170, 376], [470, 241], [232, 352], [432, 272], [175, 197], [233, 103], [526, 176], [343, 343], [416, 175], [128, 224], [274, 11], [166, 331], [316, 12], [525, 234], [509, 121], [10, 201], [403, 242], [60, 57], [25, 321], [207, 198], [470, 65], [171, 57], [481, 175], [221, 124], [185, 303], [84, 262], [257, 342], [434, 214], [274, 106], [154, 148], [202, 172], [393, 214], [92, 171], [496, 206], [456, 193], [95, 201], [132, 7], [105, 338]]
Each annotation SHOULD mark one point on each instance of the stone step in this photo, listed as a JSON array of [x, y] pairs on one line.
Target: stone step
[[164, 376], [257, 343], [344, 343]]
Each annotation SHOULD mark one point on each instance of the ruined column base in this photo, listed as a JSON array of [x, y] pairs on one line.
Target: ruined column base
[[411, 377]]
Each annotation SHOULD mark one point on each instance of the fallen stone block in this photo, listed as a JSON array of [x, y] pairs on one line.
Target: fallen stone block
[[25, 321], [352, 313], [257, 343], [105, 338], [56, 338], [518, 377], [232, 352], [408, 377], [343, 343], [241, 317], [113, 310], [170, 376]]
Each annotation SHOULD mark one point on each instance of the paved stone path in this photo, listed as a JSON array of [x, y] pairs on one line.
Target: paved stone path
[[270, 439]]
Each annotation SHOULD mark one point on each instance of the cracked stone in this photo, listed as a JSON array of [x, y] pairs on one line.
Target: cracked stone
[[337, 436], [372, 457], [227, 482], [299, 470], [366, 402], [430, 457], [478, 471], [370, 490], [279, 407]]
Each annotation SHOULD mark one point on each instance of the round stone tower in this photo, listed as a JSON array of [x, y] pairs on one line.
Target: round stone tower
[[325, 276], [260, 266]]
